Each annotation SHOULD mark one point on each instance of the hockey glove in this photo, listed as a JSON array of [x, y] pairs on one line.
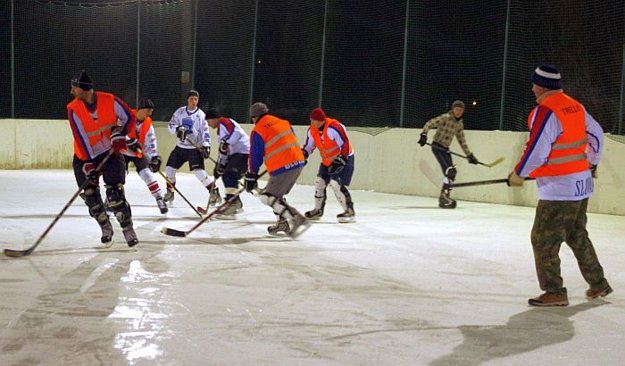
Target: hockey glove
[[514, 180], [337, 165], [593, 171], [223, 148], [134, 146], [205, 151], [251, 181], [219, 170], [305, 152], [155, 163], [181, 132], [88, 168], [472, 159], [118, 142], [423, 139]]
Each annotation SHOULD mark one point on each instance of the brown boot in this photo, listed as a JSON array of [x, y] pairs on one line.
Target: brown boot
[[549, 299], [593, 293]]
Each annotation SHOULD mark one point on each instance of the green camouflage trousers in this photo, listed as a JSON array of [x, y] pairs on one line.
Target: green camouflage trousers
[[557, 222]]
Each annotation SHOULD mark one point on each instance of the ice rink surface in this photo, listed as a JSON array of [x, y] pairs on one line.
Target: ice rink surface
[[407, 284]]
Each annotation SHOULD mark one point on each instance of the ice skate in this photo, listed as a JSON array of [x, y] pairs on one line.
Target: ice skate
[[314, 214], [444, 201], [107, 234], [299, 224], [214, 198], [131, 236], [282, 226], [346, 217], [229, 212], [169, 196], [162, 205]]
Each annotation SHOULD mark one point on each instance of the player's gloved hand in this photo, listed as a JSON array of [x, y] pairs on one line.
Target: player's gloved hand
[[423, 139], [514, 180], [337, 165], [593, 170], [181, 132], [118, 142], [88, 169], [223, 148], [251, 181], [205, 151], [472, 159], [133, 145], [155, 163], [219, 170], [305, 152]]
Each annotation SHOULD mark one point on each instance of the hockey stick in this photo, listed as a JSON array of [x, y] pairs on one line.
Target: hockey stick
[[217, 210], [490, 165], [482, 182], [22, 253], [181, 195]]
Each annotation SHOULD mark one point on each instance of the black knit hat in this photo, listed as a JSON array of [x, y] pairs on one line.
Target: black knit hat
[[212, 113], [146, 103], [82, 80], [547, 76]]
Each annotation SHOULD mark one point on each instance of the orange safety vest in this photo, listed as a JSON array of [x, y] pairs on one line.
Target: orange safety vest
[[95, 130], [568, 152], [144, 129], [281, 147], [327, 147]]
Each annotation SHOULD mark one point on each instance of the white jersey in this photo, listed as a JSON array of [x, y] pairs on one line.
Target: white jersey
[[195, 122], [231, 132]]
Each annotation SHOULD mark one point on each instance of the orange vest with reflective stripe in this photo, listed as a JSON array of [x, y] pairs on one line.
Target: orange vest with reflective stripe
[[327, 147], [144, 129], [96, 130], [281, 147], [568, 152]]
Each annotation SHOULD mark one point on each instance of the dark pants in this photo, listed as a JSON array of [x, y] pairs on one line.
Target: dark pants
[[442, 155], [235, 169], [344, 178], [139, 162], [179, 156], [557, 222]]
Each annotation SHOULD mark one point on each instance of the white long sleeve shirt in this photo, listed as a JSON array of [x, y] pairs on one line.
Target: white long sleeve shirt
[[195, 122]]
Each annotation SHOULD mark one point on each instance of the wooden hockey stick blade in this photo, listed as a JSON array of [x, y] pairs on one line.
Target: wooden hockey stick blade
[[495, 162], [173, 232], [18, 253]]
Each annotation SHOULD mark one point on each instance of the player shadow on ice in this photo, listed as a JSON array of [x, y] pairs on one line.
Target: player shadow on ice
[[524, 332]]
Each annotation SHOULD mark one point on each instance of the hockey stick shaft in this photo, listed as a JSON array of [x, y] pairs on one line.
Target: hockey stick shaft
[[217, 210], [482, 182], [169, 183], [490, 165], [21, 253]]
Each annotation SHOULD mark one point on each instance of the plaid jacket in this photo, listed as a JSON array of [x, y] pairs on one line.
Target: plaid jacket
[[446, 128]]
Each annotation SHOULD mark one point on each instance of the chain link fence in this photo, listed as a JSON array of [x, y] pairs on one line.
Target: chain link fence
[[383, 63]]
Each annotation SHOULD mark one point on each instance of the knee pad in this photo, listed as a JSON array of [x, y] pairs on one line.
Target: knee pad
[[341, 193], [450, 173], [119, 205]]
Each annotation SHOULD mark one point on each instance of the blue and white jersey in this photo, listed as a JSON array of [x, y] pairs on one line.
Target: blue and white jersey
[[195, 122], [238, 140]]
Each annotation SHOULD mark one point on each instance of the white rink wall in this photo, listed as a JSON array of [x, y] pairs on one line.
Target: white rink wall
[[389, 162]]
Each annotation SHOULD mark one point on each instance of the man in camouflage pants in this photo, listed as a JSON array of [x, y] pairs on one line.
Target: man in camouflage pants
[[448, 125], [562, 153]]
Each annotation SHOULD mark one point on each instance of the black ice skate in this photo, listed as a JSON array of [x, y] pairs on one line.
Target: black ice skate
[[282, 226], [162, 205], [314, 214], [444, 201], [228, 213], [131, 236], [107, 234]]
